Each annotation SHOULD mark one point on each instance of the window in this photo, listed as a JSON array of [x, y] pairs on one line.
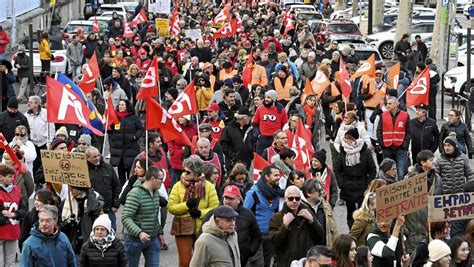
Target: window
[[343, 28]]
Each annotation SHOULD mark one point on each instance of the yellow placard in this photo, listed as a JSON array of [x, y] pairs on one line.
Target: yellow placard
[[65, 168], [162, 27]]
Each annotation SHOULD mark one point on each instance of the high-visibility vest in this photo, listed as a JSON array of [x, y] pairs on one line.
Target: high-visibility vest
[[283, 92], [394, 134], [378, 95], [334, 92], [223, 75]]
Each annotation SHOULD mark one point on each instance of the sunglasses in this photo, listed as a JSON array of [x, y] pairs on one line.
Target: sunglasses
[[187, 172], [294, 198], [83, 144], [20, 135]]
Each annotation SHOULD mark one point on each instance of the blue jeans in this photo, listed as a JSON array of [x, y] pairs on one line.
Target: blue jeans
[[113, 219], [151, 251], [262, 143], [400, 157]]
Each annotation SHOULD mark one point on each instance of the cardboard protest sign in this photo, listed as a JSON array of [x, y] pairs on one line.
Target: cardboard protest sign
[[162, 27], [406, 196], [451, 207], [193, 34], [159, 6], [65, 168]]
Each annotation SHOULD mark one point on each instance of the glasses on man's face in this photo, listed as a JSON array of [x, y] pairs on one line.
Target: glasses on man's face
[[187, 172], [294, 198], [82, 144], [20, 134]]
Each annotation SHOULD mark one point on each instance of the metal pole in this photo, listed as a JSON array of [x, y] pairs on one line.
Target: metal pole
[[30, 52], [371, 17], [442, 96], [469, 60]]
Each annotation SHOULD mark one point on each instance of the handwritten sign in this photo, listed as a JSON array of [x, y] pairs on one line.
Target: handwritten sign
[[162, 27], [159, 6], [451, 207], [65, 168], [193, 34], [406, 196]]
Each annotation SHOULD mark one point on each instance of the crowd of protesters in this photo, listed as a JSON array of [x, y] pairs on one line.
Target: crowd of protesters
[[221, 216]]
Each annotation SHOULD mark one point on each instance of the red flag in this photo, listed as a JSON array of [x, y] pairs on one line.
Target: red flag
[[110, 117], [344, 79], [65, 106], [368, 68], [87, 83], [139, 19], [158, 118], [149, 86], [229, 29], [4, 145], [127, 31], [259, 164], [223, 16], [175, 27], [95, 26], [290, 25], [186, 102], [240, 26], [302, 146], [419, 90], [247, 71]]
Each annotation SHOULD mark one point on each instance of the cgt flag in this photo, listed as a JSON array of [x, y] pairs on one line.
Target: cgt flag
[[149, 86], [65, 106], [368, 68], [394, 75], [302, 146], [139, 19], [258, 164], [158, 118], [186, 103], [91, 72], [419, 90]]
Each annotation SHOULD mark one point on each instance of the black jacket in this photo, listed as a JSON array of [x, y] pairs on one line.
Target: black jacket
[[462, 135], [204, 54], [402, 47], [23, 60], [29, 220], [353, 181], [104, 180], [8, 123], [229, 112], [424, 135], [247, 230], [90, 47], [237, 144], [124, 140], [114, 255]]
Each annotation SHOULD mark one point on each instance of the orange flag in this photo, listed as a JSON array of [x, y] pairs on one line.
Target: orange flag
[[320, 83], [394, 75], [368, 68], [419, 90], [308, 90]]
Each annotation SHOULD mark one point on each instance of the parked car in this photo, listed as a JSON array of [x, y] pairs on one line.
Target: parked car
[[130, 7], [456, 79], [124, 16], [297, 8], [345, 39], [309, 16], [60, 62], [384, 42], [74, 25], [364, 51], [286, 3], [323, 29], [111, 7]]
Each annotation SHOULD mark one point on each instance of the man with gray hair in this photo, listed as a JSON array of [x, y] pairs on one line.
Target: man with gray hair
[[104, 180], [41, 132], [309, 68], [204, 152], [316, 256], [47, 245], [393, 135], [295, 224]]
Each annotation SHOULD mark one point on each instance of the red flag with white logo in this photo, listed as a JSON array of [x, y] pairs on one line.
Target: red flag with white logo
[[419, 90], [127, 31], [186, 102], [175, 27], [149, 86], [259, 164], [247, 71], [367, 68], [95, 26], [229, 29], [302, 146], [91, 72], [110, 117], [344, 79], [290, 25], [65, 106], [158, 118], [223, 16], [139, 19]]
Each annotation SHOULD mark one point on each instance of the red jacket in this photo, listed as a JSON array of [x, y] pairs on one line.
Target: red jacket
[[11, 202], [4, 41], [176, 147]]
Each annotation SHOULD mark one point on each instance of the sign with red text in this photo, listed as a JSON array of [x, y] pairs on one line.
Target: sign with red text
[[65, 168], [451, 207], [406, 196]]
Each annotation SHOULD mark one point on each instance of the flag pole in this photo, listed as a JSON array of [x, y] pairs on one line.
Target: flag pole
[[197, 124], [106, 129], [146, 149]]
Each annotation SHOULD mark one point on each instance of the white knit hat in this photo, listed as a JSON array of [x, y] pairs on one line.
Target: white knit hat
[[103, 220], [438, 249]]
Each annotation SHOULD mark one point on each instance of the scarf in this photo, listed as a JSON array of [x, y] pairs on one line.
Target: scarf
[[72, 208], [269, 192], [122, 114], [194, 189], [102, 244], [310, 114], [386, 178], [353, 152]]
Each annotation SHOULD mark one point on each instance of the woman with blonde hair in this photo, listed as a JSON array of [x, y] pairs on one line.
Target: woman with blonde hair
[[364, 219]]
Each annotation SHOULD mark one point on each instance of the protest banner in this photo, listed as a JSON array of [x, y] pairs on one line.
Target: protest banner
[[159, 6], [163, 27], [193, 34], [406, 196], [451, 207], [65, 168]]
